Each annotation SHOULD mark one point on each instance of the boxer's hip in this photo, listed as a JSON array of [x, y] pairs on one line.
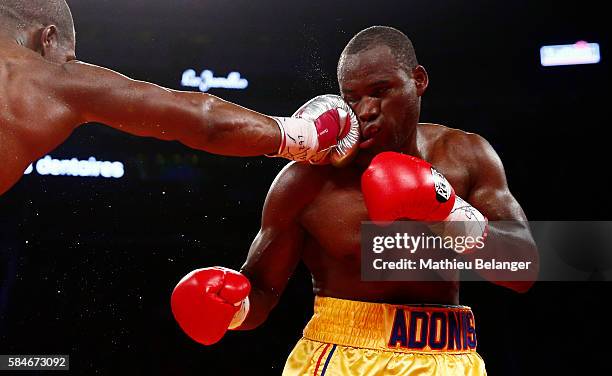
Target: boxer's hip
[[358, 338]]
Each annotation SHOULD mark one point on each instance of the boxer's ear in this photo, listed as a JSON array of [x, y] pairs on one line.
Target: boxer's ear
[[48, 40], [421, 79]]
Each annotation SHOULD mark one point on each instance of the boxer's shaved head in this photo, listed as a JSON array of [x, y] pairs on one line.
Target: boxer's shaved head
[[399, 44], [23, 14]]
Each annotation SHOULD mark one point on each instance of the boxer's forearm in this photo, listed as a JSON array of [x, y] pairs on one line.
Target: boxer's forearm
[[211, 124], [509, 241]]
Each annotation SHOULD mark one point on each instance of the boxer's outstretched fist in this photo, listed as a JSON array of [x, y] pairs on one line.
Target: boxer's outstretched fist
[[324, 130], [209, 301]]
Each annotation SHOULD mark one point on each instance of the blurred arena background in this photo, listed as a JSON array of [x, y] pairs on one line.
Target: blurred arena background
[[88, 263]]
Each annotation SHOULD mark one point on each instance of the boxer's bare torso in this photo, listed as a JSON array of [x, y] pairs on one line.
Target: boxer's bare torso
[[314, 213]]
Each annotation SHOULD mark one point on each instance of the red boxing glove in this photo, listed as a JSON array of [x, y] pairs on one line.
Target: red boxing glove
[[208, 301], [397, 186]]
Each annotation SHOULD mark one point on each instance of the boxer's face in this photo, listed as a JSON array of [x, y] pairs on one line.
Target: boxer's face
[[385, 98]]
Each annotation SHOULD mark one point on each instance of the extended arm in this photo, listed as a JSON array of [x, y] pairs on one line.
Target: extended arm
[[198, 120], [323, 130]]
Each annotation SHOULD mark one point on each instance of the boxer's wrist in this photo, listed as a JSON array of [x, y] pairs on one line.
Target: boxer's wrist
[[462, 211], [299, 139], [241, 314]]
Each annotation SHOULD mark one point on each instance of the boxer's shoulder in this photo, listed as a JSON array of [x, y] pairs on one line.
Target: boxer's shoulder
[[299, 183], [18, 56], [25, 71], [438, 133], [461, 156], [299, 172], [451, 142]]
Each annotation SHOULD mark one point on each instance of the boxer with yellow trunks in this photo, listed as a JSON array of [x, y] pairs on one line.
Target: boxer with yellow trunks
[[347, 337], [313, 214]]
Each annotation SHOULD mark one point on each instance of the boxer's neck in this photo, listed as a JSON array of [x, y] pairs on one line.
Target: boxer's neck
[[411, 146], [10, 35]]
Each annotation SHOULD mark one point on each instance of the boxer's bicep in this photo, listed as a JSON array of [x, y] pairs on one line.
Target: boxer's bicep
[[104, 96]]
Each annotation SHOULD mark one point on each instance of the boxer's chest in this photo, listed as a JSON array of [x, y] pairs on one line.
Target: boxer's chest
[[335, 217]]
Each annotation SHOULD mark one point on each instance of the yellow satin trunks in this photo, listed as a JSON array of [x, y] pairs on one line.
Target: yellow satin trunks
[[346, 338]]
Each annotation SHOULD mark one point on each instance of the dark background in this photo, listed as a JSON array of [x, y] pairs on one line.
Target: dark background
[[88, 265]]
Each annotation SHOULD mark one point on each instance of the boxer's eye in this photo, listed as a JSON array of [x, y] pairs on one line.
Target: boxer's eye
[[379, 92]]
